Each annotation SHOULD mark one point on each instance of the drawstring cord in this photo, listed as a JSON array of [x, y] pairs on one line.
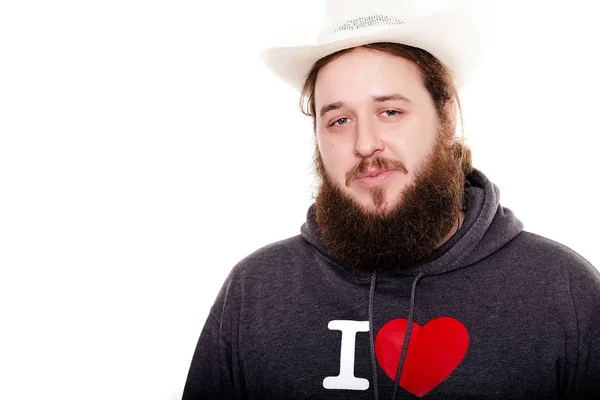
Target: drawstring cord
[[406, 336], [371, 339]]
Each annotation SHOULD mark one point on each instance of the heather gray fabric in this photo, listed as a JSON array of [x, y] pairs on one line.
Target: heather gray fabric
[[499, 313]]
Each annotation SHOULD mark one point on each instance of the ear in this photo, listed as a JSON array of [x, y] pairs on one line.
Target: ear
[[450, 113]]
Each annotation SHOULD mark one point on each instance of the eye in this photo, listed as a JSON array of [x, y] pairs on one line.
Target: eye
[[341, 121], [391, 113]]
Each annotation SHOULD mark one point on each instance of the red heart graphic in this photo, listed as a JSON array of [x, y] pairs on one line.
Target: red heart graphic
[[434, 352]]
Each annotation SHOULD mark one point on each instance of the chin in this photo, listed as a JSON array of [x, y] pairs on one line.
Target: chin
[[371, 203]]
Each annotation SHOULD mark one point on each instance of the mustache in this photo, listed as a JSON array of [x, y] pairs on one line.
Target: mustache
[[379, 162]]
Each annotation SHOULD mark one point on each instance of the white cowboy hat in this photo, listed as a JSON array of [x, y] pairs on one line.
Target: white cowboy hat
[[451, 35]]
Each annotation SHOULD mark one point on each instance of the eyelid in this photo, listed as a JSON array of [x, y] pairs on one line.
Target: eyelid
[[397, 112], [333, 121], [336, 119]]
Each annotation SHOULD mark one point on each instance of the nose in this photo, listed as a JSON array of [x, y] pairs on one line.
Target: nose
[[368, 141]]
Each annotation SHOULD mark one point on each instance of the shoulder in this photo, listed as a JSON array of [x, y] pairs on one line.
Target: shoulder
[[282, 252], [275, 261], [256, 273], [553, 256], [567, 274]]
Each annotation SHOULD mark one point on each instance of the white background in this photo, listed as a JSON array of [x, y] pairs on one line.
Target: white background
[[144, 150]]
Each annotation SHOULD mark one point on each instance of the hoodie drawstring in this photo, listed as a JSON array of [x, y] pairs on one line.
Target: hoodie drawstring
[[408, 331], [406, 336], [371, 339]]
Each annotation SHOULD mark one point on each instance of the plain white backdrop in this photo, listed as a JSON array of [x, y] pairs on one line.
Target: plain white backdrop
[[144, 150]]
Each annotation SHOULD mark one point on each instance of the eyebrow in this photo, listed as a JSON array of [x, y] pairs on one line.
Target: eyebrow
[[393, 96], [378, 99], [330, 107]]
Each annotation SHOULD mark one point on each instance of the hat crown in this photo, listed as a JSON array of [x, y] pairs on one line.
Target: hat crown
[[452, 34], [356, 15]]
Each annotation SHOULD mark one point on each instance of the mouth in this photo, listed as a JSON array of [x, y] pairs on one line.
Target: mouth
[[375, 178]]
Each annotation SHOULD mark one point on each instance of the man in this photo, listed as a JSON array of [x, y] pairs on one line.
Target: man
[[409, 279]]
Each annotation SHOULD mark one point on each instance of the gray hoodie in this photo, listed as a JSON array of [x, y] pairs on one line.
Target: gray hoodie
[[495, 313]]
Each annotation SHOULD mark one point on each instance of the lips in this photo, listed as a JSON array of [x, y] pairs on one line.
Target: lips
[[375, 178], [373, 174]]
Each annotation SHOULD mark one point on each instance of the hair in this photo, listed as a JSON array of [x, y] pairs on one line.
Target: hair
[[436, 79]]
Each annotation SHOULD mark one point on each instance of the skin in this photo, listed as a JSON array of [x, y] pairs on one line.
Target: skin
[[359, 125]]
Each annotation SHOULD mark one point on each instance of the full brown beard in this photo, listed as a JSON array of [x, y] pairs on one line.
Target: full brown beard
[[424, 213]]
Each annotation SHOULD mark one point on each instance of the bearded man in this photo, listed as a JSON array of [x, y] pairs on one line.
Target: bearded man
[[408, 279]]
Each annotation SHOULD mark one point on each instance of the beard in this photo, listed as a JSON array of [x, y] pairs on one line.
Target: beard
[[420, 218]]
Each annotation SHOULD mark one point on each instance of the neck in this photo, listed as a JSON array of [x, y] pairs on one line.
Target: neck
[[455, 228]]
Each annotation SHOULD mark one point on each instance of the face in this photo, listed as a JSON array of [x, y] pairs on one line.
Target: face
[[376, 124], [391, 187]]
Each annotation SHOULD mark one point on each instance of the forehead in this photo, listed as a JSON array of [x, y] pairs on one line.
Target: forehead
[[364, 73]]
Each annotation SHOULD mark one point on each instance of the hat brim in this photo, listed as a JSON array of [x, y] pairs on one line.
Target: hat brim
[[452, 36]]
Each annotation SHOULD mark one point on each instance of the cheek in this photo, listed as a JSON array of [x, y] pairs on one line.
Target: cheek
[[336, 159], [330, 155], [410, 149], [422, 149]]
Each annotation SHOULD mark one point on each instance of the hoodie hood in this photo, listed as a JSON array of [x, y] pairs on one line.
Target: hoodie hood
[[487, 227]]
